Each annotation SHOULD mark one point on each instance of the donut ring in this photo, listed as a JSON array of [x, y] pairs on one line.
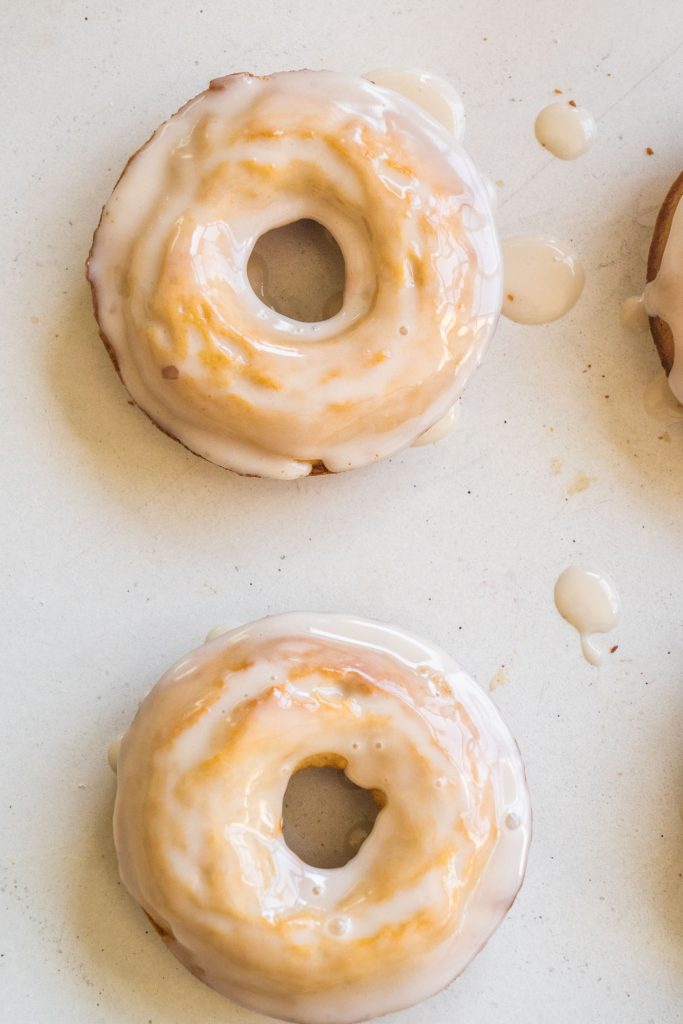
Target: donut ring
[[232, 379], [201, 777]]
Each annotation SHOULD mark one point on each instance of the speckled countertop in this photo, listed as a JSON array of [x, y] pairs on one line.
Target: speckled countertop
[[122, 549]]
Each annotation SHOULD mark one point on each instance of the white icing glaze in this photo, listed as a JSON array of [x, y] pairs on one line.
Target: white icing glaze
[[441, 429], [542, 279], [431, 92], [202, 774], [589, 603], [633, 314], [564, 130], [660, 402], [491, 192], [219, 630], [113, 753], [663, 297], [241, 384]]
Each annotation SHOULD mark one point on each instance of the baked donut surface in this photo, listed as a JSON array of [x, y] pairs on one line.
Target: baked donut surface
[[202, 774], [236, 381], [663, 296]]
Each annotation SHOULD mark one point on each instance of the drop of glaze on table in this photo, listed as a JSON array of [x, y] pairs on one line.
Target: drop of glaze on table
[[589, 603], [564, 130], [442, 428], [542, 279], [432, 93], [633, 314]]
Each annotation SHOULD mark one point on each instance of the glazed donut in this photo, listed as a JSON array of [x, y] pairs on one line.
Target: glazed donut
[[663, 295], [232, 379], [202, 773]]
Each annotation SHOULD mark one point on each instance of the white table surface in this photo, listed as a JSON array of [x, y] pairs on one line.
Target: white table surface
[[122, 549]]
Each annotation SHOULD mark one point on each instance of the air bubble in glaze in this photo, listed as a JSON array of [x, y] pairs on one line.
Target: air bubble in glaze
[[339, 926]]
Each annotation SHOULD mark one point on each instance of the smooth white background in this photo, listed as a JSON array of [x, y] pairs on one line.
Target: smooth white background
[[122, 549]]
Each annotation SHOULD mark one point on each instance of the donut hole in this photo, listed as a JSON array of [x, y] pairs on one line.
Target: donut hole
[[298, 270], [326, 817]]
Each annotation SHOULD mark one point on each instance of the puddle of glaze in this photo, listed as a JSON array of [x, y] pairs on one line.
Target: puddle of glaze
[[589, 603], [440, 429], [633, 314], [432, 93], [542, 279], [660, 402], [564, 130]]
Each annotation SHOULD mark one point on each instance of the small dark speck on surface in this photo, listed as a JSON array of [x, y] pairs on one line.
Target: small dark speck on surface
[[613, 649], [572, 103], [649, 151]]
